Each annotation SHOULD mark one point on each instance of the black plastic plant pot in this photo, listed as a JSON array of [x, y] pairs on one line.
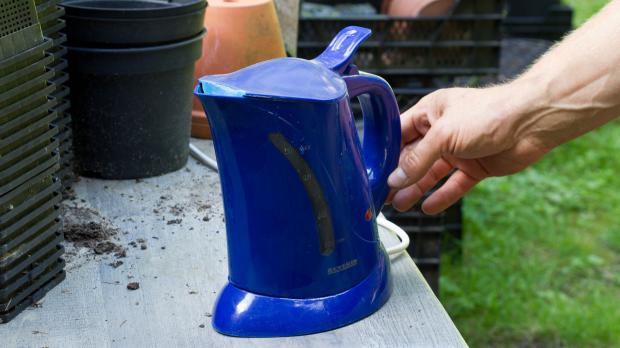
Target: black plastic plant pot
[[132, 9], [131, 108], [132, 23]]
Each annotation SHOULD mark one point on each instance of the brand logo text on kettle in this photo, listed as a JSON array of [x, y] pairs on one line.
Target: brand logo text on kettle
[[342, 267]]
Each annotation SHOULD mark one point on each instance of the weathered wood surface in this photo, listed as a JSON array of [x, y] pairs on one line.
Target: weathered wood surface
[[178, 284]]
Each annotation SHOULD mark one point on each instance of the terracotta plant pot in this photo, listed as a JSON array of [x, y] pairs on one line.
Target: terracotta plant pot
[[417, 8], [240, 33]]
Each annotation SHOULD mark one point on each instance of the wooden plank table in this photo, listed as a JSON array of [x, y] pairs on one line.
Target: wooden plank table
[[178, 284]]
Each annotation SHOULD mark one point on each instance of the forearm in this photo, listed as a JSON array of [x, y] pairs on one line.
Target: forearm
[[574, 88]]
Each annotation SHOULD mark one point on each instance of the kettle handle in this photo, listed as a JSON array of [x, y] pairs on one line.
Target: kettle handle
[[381, 130], [340, 51]]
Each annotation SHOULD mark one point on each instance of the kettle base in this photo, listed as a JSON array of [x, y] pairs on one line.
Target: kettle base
[[242, 313]]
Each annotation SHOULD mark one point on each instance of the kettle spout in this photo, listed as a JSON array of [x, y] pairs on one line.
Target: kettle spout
[[210, 87], [338, 54]]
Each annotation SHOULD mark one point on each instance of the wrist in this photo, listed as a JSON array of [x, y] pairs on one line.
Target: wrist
[[526, 102]]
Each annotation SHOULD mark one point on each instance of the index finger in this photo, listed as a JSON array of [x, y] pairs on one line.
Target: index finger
[[412, 119]]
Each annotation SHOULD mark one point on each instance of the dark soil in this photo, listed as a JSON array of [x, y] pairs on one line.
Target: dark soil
[[133, 286], [116, 264], [84, 227]]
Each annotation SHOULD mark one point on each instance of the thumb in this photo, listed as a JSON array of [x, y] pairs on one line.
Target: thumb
[[417, 158]]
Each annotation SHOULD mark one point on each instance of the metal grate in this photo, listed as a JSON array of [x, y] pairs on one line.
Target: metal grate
[[15, 15]]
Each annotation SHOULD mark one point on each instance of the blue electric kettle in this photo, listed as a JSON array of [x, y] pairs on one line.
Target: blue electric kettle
[[301, 192]]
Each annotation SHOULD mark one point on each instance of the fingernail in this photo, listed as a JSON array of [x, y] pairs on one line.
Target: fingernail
[[398, 178]]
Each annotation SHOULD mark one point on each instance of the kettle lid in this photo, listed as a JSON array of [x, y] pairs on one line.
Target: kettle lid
[[280, 78]]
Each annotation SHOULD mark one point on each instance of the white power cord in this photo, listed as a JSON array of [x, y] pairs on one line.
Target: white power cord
[[202, 157], [396, 231], [381, 220]]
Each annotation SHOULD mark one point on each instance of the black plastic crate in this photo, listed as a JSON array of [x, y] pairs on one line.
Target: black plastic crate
[[426, 233], [32, 166], [13, 259], [36, 224], [59, 52], [36, 164], [26, 104], [66, 142], [25, 58], [9, 314], [469, 37], [15, 156], [27, 133], [61, 92], [453, 236], [15, 124], [50, 261], [46, 255], [64, 121], [60, 67], [55, 27], [67, 176], [430, 269], [11, 202], [552, 24], [37, 205], [19, 27], [25, 74], [42, 6], [68, 163], [30, 283], [32, 277], [470, 20], [432, 56], [419, 55], [58, 38], [50, 15], [60, 77], [21, 266], [63, 105], [25, 89], [320, 30]]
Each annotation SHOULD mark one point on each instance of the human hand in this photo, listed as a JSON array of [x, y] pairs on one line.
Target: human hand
[[472, 133], [478, 133]]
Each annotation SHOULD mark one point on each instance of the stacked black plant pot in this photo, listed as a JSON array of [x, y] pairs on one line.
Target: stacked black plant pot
[[30, 227], [51, 23], [132, 66]]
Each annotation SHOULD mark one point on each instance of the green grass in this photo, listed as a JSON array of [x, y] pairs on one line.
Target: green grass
[[541, 252], [584, 9]]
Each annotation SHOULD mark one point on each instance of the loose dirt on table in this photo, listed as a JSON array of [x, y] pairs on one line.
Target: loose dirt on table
[[85, 227]]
